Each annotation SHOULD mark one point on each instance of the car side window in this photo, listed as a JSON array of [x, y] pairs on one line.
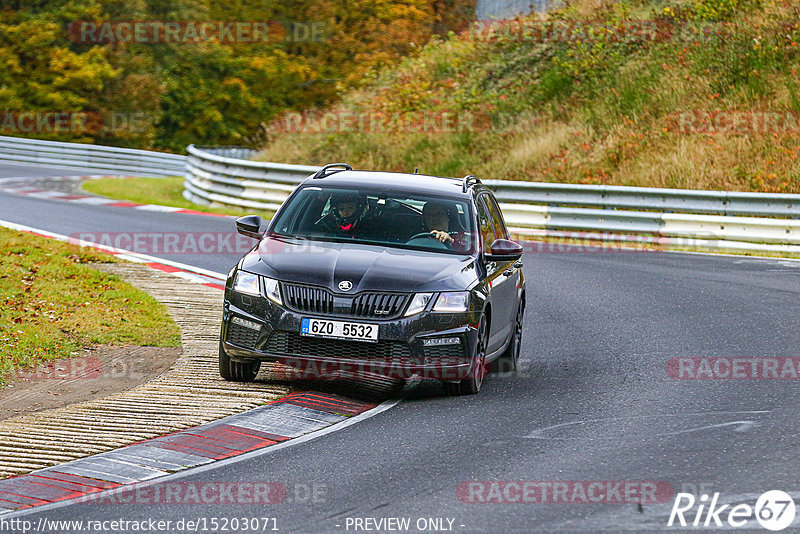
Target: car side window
[[485, 224], [500, 231]]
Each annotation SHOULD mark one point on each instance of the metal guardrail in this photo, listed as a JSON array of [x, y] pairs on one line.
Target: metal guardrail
[[219, 175], [96, 157], [227, 176], [504, 9], [646, 198]]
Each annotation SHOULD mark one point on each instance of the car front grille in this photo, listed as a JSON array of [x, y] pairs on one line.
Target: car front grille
[[308, 299], [319, 300], [297, 345], [384, 305], [241, 336]]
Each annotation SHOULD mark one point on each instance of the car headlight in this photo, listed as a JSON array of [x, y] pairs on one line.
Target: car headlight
[[418, 303], [246, 283], [457, 301], [273, 290]]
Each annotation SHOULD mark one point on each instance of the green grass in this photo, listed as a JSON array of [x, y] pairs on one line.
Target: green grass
[[602, 109], [52, 303], [162, 191]]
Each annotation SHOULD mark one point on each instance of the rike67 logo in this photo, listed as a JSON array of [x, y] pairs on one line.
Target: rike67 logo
[[774, 510]]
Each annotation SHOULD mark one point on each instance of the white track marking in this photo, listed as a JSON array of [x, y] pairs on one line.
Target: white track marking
[[536, 434], [741, 426], [125, 254]]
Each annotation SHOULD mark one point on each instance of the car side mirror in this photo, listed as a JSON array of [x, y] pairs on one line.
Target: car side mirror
[[249, 225], [504, 250]]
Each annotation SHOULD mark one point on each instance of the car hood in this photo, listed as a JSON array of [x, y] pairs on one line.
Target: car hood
[[366, 267]]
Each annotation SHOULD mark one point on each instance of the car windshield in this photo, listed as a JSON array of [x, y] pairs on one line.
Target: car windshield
[[397, 219]]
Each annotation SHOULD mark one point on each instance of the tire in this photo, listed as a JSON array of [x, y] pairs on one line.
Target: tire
[[236, 371], [507, 362], [472, 384]]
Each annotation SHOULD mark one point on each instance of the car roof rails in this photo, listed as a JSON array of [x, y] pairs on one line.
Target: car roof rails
[[467, 180], [331, 168]]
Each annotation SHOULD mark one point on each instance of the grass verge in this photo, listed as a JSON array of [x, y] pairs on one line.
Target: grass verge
[[697, 94], [161, 191], [53, 303]]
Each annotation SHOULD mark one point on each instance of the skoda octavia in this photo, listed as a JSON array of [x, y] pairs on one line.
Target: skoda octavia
[[380, 273]]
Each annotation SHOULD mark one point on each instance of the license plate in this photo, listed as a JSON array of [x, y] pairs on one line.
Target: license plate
[[339, 329]]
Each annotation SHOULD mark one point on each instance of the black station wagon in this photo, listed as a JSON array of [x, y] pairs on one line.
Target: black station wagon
[[380, 273]]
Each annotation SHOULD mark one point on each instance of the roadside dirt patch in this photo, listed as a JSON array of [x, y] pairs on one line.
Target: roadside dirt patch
[[95, 374]]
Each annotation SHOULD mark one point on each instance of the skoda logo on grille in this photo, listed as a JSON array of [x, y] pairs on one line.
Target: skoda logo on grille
[[345, 285]]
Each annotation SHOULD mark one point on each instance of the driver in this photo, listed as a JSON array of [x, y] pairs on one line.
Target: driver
[[437, 221], [348, 211], [436, 218]]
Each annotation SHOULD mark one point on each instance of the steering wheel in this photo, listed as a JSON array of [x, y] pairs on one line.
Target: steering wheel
[[430, 236], [421, 234]]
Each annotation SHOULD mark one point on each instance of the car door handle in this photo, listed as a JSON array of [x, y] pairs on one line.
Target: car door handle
[[508, 272], [518, 265]]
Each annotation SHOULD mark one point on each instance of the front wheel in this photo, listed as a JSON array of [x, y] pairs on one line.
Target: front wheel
[[507, 362], [472, 384], [236, 371]]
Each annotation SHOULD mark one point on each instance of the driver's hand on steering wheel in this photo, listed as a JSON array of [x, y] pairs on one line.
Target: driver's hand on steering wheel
[[444, 237]]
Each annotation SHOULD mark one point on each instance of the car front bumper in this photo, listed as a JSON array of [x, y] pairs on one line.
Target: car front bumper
[[264, 331]]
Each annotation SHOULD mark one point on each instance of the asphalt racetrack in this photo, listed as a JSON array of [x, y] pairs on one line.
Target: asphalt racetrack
[[601, 397]]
